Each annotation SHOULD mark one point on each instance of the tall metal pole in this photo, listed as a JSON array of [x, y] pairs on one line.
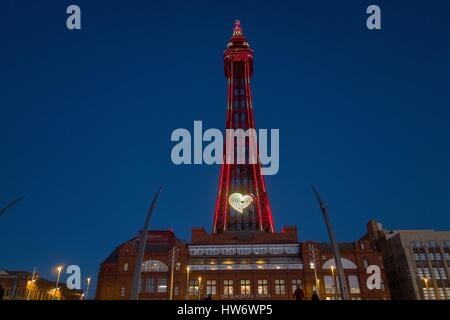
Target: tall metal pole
[[173, 259], [87, 288], [187, 283], [314, 264], [337, 254], [33, 279], [141, 250], [172, 269], [57, 281]]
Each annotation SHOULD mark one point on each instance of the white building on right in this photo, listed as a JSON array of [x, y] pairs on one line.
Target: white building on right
[[417, 262]]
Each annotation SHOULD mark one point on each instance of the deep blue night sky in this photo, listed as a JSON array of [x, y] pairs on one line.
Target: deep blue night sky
[[86, 118]]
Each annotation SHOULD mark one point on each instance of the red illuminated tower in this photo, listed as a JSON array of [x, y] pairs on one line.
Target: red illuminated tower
[[242, 202]]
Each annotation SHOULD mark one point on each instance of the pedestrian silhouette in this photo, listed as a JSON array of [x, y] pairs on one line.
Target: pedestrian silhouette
[[298, 293], [315, 296]]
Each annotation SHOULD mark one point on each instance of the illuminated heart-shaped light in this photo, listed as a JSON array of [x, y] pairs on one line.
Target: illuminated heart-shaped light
[[239, 202]]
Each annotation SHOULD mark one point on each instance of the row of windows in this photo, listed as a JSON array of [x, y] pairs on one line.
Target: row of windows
[[438, 273], [267, 266], [430, 293], [431, 256], [262, 286], [18, 293], [332, 285], [152, 285], [152, 266], [244, 250], [430, 244], [149, 285], [245, 286], [34, 294]]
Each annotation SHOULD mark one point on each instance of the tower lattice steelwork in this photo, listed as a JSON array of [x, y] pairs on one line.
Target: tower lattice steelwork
[[242, 202]]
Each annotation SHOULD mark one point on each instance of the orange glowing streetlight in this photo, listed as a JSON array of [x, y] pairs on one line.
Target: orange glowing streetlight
[[88, 280], [187, 283], [59, 268]]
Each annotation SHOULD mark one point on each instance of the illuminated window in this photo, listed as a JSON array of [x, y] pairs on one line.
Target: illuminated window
[[420, 256], [429, 294], [228, 287], [176, 290], [296, 283], [150, 285], [354, 284], [125, 266], [329, 284], [245, 287], [447, 292], [211, 287], [426, 272], [193, 287], [280, 288], [162, 284], [263, 287], [154, 266], [122, 291], [441, 293]]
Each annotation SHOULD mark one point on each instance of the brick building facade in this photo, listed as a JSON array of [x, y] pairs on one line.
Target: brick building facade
[[21, 285], [238, 265]]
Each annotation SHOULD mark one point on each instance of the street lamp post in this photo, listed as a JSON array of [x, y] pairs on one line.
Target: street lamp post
[[187, 283], [87, 288], [313, 265], [334, 282], [426, 286], [199, 287], [173, 259], [30, 284], [57, 280]]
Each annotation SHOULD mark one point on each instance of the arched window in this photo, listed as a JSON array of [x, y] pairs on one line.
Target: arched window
[[346, 264], [154, 266]]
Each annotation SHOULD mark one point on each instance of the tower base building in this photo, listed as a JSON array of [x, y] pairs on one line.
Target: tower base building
[[238, 265]]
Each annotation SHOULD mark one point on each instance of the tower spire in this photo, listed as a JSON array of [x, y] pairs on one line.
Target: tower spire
[[237, 39], [237, 29]]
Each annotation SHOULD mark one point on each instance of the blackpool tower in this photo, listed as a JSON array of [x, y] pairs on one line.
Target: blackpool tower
[[242, 202]]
